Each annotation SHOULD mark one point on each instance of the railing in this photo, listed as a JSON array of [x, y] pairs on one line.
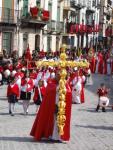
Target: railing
[[8, 15], [78, 3], [90, 21], [106, 11], [66, 3], [89, 4], [34, 13], [55, 26], [109, 2]]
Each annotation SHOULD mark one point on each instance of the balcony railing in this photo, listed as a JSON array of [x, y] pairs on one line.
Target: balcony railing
[[106, 11], [55, 26], [109, 2], [78, 4], [8, 16], [66, 4], [35, 14]]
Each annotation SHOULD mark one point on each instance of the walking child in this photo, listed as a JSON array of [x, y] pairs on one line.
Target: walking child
[[12, 94]]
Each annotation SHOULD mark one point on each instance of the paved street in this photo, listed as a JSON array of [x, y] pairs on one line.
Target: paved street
[[89, 130]]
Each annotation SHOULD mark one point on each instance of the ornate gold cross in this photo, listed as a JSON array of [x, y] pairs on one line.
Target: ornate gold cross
[[62, 64]]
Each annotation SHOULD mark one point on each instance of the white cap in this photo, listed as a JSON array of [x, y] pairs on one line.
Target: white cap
[[13, 73], [7, 73], [23, 69], [75, 69], [52, 75]]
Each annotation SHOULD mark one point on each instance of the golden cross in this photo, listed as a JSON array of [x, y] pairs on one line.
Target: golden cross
[[62, 64]]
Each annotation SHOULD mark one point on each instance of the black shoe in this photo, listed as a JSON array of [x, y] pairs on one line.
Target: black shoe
[[103, 110], [10, 112], [97, 109]]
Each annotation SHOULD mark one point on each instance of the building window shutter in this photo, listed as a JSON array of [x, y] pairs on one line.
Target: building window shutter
[[25, 7], [58, 14]]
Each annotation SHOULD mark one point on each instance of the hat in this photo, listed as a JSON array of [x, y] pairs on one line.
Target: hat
[[75, 69], [52, 75]]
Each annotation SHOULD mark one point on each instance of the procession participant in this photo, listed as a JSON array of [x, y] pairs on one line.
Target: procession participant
[[10, 66], [92, 60], [108, 61], [112, 65], [100, 65], [7, 74], [26, 90], [33, 75], [97, 63], [27, 54], [103, 98], [13, 73], [1, 82], [105, 57], [82, 96], [18, 76], [45, 125], [1, 75], [12, 94], [39, 93], [88, 76], [76, 88]]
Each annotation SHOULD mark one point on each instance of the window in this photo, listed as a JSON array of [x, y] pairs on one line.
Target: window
[[25, 41], [25, 8], [6, 41], [50, 10], [49, 43], [7, 11], [58, 13], [38, 3]]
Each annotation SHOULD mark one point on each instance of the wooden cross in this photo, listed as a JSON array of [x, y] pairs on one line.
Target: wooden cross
[[62, 64]]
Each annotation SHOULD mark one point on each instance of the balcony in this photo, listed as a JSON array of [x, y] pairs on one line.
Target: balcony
[[77, 4], [107, 12], [66, 5], [8, 17], [34, 18], [89, 8], [90, 22], [98, 6], [109, 3], [55, 27]]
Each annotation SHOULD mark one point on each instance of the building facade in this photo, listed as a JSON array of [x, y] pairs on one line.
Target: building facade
[[83, 17], [46, 24], [8, 21], [105, 22]]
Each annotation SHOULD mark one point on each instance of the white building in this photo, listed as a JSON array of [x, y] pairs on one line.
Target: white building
[[81, 12], [46, 24], [19, 27], [105, 20], [8, 21]]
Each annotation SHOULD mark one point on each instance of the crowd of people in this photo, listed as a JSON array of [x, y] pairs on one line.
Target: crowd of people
[[25, 80]]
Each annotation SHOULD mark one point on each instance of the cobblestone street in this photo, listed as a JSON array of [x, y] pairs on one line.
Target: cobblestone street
[[90, 130]]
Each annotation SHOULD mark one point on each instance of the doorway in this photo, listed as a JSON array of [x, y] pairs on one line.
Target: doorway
[[37, 42]]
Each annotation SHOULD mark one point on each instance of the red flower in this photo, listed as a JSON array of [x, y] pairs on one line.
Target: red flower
[[34, 11], [45, 15]]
